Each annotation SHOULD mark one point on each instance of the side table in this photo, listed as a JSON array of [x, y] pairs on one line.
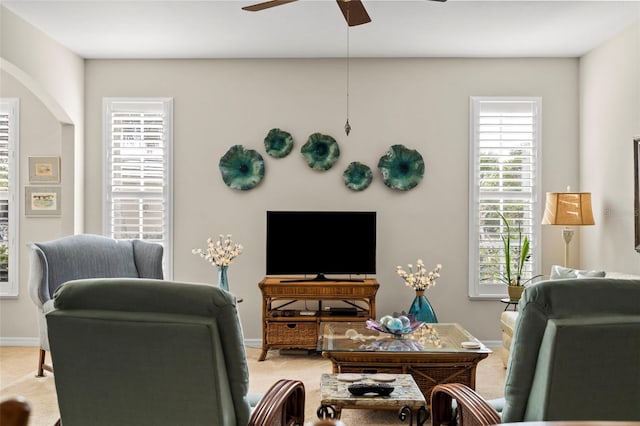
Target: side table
[[406, 398], [510, 302]]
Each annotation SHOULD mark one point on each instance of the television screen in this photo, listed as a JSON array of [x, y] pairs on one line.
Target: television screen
[[321, 242]]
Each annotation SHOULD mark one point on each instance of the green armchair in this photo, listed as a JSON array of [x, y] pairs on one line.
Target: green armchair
[[150, 352], [575, 355]]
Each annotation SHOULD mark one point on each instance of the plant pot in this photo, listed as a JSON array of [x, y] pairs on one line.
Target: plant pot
[[515, 292]]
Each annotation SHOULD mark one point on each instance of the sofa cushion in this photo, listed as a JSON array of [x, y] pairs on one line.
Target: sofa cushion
[[622, 276], [507, 323]]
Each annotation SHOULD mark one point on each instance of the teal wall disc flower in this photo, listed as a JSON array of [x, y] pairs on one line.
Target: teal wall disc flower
[[358, 176], [401, 168], [320, 151], [241, 168], [278, 143]]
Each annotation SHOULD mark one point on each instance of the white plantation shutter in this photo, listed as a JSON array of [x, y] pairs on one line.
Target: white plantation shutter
[[505, 178], [138, 143], [9, 282]]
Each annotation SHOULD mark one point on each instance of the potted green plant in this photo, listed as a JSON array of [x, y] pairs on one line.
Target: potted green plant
[[514, 260]]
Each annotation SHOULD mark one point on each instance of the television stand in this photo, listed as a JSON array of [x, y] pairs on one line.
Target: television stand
[[286, 328]]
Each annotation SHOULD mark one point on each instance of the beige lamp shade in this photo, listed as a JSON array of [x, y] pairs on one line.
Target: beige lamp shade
[[568, 208]]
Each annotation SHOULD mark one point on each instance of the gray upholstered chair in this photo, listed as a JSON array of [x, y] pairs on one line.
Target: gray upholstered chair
[[149, 352], [575, 355], [84, 256]]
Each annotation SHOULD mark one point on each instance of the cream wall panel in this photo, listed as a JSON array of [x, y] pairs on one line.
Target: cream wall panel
[[610, 119], [49, 80], [421, 103], [40, 135], [57, 73]]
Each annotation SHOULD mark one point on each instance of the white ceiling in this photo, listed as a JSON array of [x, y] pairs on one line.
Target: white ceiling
[[316, 28]]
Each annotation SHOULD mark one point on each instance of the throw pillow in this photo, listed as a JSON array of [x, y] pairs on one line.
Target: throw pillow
[[560, 272]]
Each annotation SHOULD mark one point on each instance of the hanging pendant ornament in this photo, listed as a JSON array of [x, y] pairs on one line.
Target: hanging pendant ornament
[[347, 126]]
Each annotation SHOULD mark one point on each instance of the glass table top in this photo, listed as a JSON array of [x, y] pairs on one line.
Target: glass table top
[[356, 337]]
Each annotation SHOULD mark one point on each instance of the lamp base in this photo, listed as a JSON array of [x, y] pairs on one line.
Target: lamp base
[[567, 235]]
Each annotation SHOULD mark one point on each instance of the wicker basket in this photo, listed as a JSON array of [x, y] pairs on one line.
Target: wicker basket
[[292, 333]]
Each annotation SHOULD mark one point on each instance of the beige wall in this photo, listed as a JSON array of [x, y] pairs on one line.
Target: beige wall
[[42, 130], [56, 76], [610, 119], [49, 81], [421, 103]]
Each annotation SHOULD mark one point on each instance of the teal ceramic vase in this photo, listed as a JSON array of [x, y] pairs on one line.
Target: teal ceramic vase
[[421, 309], [223, 280]]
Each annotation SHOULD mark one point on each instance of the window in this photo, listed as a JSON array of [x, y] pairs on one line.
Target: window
[[9, 283], [138, 172], [504, 178]]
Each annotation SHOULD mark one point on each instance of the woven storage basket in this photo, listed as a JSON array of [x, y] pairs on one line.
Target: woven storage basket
[[292, 333]]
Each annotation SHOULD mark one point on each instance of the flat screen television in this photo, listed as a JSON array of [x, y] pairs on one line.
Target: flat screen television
[[321, 243]]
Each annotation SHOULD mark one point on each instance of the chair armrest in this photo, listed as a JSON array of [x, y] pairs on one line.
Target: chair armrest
[[471, 408], [14, 412], [283, 402]]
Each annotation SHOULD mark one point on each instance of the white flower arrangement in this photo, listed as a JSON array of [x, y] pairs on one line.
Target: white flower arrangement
[[220, 252], [420, 279]]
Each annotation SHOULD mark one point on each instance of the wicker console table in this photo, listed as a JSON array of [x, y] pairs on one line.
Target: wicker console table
[[284, 327]]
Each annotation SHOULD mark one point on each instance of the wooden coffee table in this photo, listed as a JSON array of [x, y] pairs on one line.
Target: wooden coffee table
[[432, 355]]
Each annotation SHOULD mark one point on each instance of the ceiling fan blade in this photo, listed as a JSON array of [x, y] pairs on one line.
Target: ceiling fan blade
[[266, 5], [354, 12]]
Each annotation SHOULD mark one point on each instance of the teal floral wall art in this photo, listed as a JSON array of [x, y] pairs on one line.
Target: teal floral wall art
[[278, 143], [401, 168], [320, 152], [241, 168], [357, 176]]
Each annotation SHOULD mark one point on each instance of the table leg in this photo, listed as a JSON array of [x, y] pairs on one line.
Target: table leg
[[422, 415], [263, 354], [328, 412]]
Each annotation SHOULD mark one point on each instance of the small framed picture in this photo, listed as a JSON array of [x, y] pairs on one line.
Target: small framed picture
[[44, 169], [42, 201]]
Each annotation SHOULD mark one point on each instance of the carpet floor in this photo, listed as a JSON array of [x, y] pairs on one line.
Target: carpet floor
[[17, 377]]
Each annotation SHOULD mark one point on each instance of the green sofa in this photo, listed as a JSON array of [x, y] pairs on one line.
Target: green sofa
[[575, 355]]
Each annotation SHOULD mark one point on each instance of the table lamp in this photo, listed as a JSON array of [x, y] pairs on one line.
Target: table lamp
[[568, 209]]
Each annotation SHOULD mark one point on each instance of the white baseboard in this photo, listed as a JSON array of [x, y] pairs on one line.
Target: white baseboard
[[19, 341], [253, 343]]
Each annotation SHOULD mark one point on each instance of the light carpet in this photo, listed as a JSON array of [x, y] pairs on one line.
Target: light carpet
[[40, 392]]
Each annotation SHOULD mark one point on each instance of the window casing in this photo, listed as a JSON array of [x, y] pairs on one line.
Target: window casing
[[9, 119], [505, 153], [138, 171]]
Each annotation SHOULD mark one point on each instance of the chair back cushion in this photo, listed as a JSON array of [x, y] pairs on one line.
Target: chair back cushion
[[94, 256], [580, 300], [147, 352], [587, 368]]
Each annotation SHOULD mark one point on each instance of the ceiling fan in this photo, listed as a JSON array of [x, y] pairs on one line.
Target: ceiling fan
[[353, 10]]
